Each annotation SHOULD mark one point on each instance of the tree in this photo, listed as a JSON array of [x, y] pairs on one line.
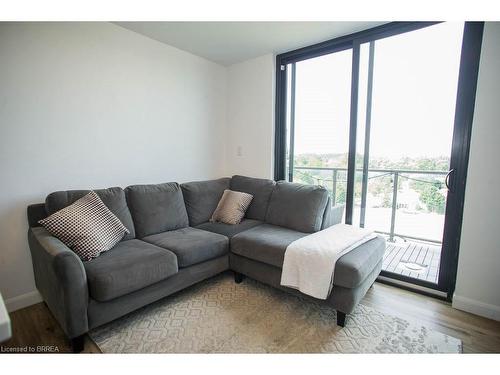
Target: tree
[[433, 199]]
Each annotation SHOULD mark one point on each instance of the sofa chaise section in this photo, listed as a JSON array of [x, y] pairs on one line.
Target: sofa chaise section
[[350, 284], [294, 211]]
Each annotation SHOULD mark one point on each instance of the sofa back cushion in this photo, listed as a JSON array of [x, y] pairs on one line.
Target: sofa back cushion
[[297, 206], [261, 190], [113, 198], [156, 208], [201, 198]]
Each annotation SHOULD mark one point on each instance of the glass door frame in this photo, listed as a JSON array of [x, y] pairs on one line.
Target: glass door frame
[[464, 110]]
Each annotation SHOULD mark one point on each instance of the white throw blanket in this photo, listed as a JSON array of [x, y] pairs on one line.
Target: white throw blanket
[[310, 261]]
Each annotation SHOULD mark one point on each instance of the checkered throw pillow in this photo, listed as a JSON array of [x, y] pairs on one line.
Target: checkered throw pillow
[[87, 226]]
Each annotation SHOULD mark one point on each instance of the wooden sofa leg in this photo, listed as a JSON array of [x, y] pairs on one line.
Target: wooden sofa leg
[[341, 318], [238, 277], [77, 344]]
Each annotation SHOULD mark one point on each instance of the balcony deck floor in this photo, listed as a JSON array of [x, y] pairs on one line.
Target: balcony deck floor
[[427, 256]]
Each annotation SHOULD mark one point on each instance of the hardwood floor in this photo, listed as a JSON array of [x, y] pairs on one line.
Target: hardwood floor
[[34, 327], [478, 334]]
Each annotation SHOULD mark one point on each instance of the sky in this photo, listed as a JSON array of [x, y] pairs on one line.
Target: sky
[[414, 93]]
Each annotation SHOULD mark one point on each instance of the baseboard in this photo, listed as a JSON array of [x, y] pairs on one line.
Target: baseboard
[[476, 307], [22, 301]]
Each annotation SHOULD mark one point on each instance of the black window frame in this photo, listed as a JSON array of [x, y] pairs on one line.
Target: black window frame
[[464, 111]]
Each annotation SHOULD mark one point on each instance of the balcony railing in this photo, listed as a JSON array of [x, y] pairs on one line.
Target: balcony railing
[[396, 174]]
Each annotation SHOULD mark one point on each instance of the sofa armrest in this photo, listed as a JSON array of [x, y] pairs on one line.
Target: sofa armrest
[[61, 280]]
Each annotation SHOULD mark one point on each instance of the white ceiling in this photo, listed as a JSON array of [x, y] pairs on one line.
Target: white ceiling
[[228, 43]]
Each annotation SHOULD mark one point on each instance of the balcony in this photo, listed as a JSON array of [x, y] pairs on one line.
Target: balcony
[[405, 206]]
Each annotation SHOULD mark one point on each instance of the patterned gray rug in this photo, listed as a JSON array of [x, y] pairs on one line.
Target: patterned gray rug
[[219, 316]]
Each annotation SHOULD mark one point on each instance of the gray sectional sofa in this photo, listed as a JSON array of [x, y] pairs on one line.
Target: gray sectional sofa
[[172, 245]]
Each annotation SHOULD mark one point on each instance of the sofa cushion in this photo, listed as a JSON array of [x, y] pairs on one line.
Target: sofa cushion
[[261, 190], [156, 208], [229, 230], [191, 245], [201, 198], [129, 266], [266, 243], [113, 198], [352, 268], [297, 206]]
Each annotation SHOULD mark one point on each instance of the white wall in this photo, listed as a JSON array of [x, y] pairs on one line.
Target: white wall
[[93, 105], [478, 280], [250, 117]]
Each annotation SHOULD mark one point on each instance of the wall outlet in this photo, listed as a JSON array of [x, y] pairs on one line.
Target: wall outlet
[[239, 151]]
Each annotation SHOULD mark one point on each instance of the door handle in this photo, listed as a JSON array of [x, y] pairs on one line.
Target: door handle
[[447, 179]]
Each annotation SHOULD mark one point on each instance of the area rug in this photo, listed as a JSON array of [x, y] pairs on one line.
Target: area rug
[[220, 316]]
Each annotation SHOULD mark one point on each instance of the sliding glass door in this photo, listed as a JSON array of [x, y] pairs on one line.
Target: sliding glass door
[[405, 144], [382, 120]]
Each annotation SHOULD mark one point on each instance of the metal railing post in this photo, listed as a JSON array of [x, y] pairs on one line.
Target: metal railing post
[[394, 205], [334, 188]]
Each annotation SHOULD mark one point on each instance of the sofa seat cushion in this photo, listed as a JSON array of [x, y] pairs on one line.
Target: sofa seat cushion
[[266, 243], [229, 230], [191, 245], [129, 266], [353, 268]]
